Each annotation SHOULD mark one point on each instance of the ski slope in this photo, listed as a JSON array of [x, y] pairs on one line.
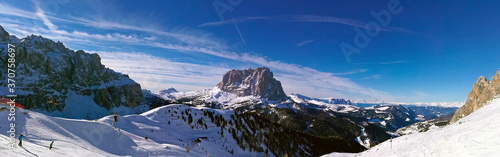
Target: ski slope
[[126, 137], [478, 134]]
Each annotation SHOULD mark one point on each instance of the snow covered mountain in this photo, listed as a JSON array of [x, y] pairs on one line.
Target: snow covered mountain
[[328, 118], [474, 135], [167, 135], [246, 114], [55, 80], [424, 126], [471, 131], [173, 130], [168, 91]]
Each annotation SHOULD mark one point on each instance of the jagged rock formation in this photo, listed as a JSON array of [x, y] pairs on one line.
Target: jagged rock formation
[[256, 82], [482, 91], [47, 69]]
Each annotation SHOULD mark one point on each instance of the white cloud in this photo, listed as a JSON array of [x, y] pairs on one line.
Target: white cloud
[[7, 9], [41, 14], [375, 76], [306, 18], [352, 72], [302, 43], [394, 62]]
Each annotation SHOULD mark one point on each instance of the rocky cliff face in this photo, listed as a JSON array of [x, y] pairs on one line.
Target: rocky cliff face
[[256, 82], [482, 91], [47, 69]]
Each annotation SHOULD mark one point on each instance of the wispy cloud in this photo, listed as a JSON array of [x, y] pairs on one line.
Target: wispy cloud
[[375, 76], [41, 14], [394, 62], [188, 36], [305, 18], [390, 62], [302, 43], [7, 9], [240, 20], [352, 72]]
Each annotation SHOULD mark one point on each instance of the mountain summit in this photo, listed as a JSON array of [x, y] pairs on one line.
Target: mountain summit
[[255, 82]]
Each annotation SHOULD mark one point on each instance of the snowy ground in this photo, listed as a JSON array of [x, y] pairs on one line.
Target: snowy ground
[[475, 135], [127, 137]]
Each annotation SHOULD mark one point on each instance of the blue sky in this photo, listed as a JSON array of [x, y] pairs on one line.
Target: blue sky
[[427, 51]]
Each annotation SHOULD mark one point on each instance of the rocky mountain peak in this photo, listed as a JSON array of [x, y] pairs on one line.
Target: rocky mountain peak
[[256, 82], [4, 35], [482, 91]]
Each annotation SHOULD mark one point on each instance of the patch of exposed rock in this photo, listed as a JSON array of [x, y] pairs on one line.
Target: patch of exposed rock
[[252, 82]]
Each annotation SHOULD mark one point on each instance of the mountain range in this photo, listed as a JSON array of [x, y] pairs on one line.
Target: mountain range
[[246, 114]]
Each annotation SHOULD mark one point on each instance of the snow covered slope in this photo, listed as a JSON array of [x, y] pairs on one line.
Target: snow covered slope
[[475, 135], [167, 135]]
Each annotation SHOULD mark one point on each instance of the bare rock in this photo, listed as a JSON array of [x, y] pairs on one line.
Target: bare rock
[[255, 82]]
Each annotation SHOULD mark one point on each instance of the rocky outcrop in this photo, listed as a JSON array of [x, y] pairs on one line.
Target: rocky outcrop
[[47, 69], [482, 91], [255, 82]]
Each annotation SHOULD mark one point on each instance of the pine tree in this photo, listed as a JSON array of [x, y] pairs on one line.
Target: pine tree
[[190, 119]]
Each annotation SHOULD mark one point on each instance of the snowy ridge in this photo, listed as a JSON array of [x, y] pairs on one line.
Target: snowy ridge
[[438, 104], [215, 95], [168, 135], [326, 104], [475, 135]]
